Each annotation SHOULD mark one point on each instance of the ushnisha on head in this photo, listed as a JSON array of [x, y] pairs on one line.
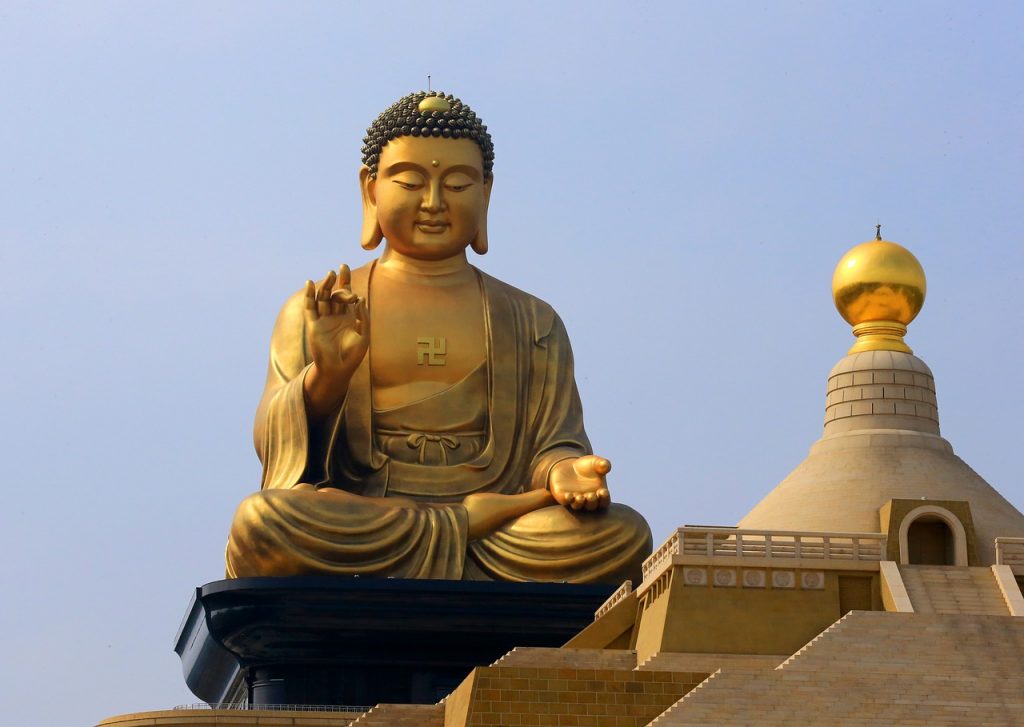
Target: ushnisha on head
[[426, 178], [427, 113]]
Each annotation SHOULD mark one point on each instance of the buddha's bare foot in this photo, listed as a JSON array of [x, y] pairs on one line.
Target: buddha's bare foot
[[488, 511]]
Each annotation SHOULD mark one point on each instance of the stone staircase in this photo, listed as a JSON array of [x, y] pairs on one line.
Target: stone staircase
[[952, 590], [708, 663], [403, 715], [499, 696], [555, 658], [876, 668]]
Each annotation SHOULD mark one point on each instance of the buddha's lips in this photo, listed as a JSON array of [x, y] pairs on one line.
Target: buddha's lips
[[431, 225]]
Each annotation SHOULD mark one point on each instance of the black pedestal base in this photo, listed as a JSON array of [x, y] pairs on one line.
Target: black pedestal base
[[362, 641]]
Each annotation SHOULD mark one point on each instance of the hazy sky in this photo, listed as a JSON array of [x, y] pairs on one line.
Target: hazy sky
[[676, 179]]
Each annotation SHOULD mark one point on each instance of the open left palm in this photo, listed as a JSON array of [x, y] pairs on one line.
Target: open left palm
[[580, 484]]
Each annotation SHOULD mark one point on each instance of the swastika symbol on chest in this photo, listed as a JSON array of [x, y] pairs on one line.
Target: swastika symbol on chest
[[431, 351]]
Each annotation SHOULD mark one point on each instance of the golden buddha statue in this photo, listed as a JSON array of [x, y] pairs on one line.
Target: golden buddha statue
[[420, 418]]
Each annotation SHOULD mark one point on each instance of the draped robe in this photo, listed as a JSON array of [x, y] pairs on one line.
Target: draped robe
[[388, 517]]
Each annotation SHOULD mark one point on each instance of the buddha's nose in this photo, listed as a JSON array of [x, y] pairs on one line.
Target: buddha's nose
[[433, 200]]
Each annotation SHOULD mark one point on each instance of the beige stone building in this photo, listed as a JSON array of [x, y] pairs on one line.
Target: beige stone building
[[878, 584]]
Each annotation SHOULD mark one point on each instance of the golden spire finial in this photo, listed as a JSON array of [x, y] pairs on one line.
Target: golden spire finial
[[879, 288]]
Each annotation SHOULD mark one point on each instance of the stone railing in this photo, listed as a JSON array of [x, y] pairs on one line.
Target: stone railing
[[1010, 551], [732, 543], [246, 707], [621, 592]]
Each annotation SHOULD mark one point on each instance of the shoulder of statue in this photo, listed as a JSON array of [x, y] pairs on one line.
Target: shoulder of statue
[[293, 308], [541, 314], [290, 324]]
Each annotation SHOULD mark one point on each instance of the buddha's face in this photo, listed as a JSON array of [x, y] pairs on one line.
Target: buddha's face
[[430, 195]]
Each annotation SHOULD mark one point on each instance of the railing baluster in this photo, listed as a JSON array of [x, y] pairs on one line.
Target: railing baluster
[[723, 542], [1009, 551]]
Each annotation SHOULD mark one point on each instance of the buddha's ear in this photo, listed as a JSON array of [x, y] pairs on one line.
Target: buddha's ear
[[479, 241], [371, 234]]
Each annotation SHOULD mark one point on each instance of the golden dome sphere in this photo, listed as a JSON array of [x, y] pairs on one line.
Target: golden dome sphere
[[878, 281]]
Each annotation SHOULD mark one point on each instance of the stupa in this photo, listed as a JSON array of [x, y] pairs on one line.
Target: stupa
[[881, 442]]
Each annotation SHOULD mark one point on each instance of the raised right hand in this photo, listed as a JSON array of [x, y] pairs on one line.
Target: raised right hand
[[337, 326]]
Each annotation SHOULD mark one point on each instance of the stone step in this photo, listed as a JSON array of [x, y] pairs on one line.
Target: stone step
[[569, 658], [876, 668], [953, 590], [679, 661], [402, 715]]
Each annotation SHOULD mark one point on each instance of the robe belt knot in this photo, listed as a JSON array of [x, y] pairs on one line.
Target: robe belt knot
[[423, 442], [420, 441]]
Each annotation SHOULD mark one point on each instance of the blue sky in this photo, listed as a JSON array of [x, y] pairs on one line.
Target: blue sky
[[677, 179]]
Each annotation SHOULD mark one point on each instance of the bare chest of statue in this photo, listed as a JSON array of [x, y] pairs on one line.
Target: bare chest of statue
[[426, 336]]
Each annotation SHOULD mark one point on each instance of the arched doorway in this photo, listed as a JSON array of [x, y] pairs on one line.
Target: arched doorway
[[932, 535], [930, 542]]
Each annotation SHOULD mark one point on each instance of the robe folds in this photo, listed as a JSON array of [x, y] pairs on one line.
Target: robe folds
[[386, 517]]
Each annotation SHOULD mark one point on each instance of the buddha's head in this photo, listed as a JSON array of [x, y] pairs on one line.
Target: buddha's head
[[426, 178]]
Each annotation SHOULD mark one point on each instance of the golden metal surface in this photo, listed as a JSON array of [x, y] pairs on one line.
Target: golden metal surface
[[475, 465], [879, 287], [434, 103]]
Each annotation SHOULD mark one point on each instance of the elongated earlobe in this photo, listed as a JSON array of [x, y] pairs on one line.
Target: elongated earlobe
[[479, 241], [371, 234]]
